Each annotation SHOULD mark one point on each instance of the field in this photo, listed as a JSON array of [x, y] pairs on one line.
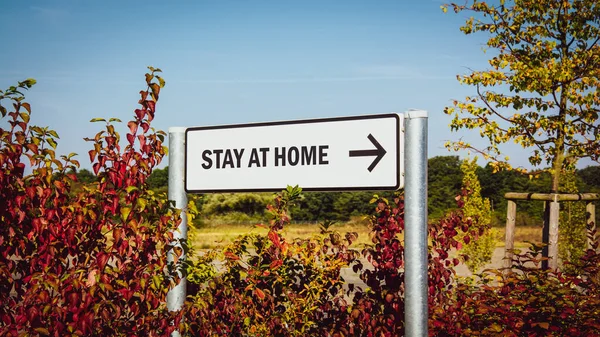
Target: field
[[210, 237]]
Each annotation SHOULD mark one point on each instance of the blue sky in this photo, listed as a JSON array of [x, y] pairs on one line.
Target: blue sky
[[229, 62]]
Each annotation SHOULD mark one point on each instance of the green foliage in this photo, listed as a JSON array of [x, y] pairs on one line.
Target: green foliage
[[544, 65], [444, 183], [340, 206], [591, 177], [589, 181], [89, 262], [235, 208], [85, 176], [159, 178], [316, 206], [480, 248], [572, 226], [495, 185]]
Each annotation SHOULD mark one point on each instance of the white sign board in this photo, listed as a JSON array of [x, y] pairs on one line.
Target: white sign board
[[345, 153]]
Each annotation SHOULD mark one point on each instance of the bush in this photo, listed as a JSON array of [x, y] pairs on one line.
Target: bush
[[91, 262], [527, 302], [268, 286]]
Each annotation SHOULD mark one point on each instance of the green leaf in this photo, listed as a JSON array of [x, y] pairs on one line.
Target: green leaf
[[53, 134], [156, 281], [93, 120], [114, 120], [52, 142], [141, 203], [28, 82], [161, 81], [129, 189]]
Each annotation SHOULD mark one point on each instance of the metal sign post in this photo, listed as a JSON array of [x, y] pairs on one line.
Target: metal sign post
[[176, 296], [415, 223]]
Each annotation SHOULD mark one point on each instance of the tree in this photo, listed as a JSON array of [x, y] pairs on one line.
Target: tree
[[159, 178], [85, 176], [444, 181], [546, 68], [235, 207], [481, 247], [315, 206], [495, 185], [591, 177], [590, 182]]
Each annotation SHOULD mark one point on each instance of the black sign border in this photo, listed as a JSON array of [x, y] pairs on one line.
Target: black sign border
[[303, 121]]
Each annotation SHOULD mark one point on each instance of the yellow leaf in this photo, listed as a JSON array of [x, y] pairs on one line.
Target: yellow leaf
[[42, 331], [125, 213]]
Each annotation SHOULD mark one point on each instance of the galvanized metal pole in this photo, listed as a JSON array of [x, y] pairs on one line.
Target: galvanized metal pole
[[415, 222], [176, 296]]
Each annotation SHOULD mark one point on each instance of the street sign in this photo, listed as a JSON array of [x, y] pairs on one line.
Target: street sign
[[345, 153]]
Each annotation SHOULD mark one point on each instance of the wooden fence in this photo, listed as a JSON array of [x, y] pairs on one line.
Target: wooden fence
[[551, 218]]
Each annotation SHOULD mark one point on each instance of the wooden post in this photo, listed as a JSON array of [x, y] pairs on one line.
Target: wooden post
[[590, 209], [553, 242], [550, 234], [511, 215], [546, 234]]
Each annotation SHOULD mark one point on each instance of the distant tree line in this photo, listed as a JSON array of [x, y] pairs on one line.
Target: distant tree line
[[444, 184]]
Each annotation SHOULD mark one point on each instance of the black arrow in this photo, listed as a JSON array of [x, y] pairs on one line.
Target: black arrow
[[379, 152]]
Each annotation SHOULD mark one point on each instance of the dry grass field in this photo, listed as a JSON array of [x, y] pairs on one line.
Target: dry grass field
[[210, 237]]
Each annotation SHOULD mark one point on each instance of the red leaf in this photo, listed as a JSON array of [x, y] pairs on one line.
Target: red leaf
[[231, 256], [276, 264], [274, 237], [142, 139], [130, 138], [259, 293], [155, 90], [102, 259], [59, 184], [32, 147], [133, 126], [139, 113], [144, 95], [151, 105]]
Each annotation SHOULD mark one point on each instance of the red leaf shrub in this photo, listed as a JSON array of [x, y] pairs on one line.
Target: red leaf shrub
[[527, 301], [89, 262]]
